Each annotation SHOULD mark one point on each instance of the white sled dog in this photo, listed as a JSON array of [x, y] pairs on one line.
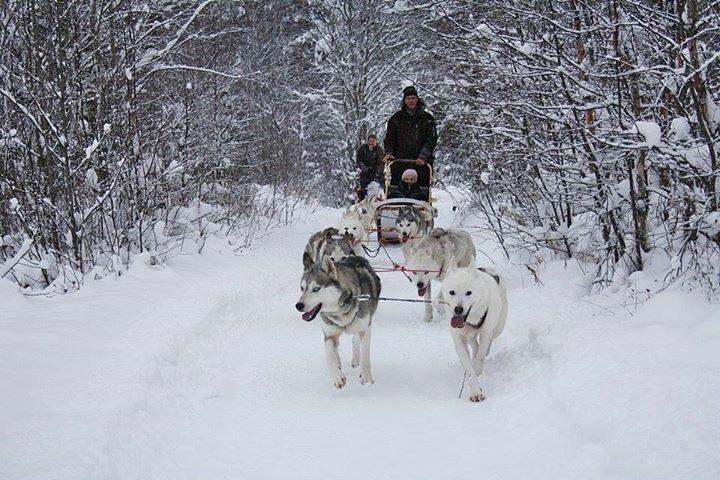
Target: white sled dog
[[434, 255], [351, 224], [477, 301], [327, 243], [367, 208], [345, 294]]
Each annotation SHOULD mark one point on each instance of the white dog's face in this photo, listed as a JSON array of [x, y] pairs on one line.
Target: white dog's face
[[460, 293], [352, 224]]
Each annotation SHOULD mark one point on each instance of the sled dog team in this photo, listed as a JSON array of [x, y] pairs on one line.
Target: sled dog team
[[339, 284]]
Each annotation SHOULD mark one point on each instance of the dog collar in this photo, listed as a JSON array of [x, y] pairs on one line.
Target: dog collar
[[482, 320]]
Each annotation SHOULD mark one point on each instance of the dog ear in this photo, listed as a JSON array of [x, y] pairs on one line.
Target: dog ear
[[307, 261], [328, 267], [427, 215]]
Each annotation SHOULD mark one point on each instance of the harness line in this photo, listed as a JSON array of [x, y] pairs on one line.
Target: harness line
[[462, 385], [366, 297]]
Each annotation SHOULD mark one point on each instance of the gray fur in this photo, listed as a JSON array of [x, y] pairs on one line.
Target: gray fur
[[345, 294], [420, 218], [356, 278], [328, 242], [440, 250]]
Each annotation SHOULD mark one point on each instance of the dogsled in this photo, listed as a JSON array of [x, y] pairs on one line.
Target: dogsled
[[386, 211]]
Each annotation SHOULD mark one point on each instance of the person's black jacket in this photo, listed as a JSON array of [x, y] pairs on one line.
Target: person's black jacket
[[409, 190], [411, 135], [369, 162]]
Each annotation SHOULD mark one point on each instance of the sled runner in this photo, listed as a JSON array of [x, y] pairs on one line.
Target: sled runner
[[386, 212]]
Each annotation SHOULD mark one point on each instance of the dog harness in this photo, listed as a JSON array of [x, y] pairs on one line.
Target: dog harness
[[482, 320]]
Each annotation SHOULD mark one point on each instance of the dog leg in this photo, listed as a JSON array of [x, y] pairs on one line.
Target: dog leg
[[365, 375], [428, 306], [476, 394], [333, 360], [483, 348], [355, 351], [473, 349]]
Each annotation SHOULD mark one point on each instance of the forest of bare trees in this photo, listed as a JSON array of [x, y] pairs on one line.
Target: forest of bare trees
[[582, 130]]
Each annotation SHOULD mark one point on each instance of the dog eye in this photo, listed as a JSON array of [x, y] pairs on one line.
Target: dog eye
[[468, 293], [452, 292], [316, 289]]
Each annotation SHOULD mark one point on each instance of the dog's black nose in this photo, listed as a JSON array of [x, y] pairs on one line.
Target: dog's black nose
[[420, 284], [458, 310], [300, 306]]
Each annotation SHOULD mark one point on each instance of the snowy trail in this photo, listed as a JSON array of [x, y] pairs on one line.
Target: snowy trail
[[206, 371]]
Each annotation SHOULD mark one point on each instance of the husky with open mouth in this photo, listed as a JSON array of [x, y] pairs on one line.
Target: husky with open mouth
[[434, 255], [477, 303], [345, 295], [411, 224]]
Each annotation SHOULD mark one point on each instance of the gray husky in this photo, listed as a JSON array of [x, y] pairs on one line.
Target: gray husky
[[411, 224], [327, 243], [345, 294], [433, 255]]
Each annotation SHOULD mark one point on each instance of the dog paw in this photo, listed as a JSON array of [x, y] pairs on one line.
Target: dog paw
[[477, 397], [366, 378], [339, 380], [355, 362]]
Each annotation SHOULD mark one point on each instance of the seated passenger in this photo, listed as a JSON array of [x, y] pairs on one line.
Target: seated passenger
[[409, 188]]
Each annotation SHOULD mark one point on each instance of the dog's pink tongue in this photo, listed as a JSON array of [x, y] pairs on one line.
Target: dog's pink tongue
[[421, 291], [457, 321], [405, 238], [307, 316]]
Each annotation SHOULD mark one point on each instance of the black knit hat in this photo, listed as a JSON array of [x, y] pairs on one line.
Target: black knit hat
[[409, 91]]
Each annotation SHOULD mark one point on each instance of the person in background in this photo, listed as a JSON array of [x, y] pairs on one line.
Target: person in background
[[370, 163], [411, 132]]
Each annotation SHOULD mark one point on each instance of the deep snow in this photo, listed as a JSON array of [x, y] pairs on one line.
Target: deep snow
[[203, 369]]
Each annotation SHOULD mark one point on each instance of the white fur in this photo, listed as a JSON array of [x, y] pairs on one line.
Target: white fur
[[366, 210], [485, 294], [351, 222], [431, 257]]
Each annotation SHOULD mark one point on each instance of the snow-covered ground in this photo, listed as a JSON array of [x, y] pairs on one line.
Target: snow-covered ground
[[204, 370]]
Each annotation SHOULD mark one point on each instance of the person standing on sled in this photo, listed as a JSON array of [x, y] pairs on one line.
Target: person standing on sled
[[411, 132], [370, 163]]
